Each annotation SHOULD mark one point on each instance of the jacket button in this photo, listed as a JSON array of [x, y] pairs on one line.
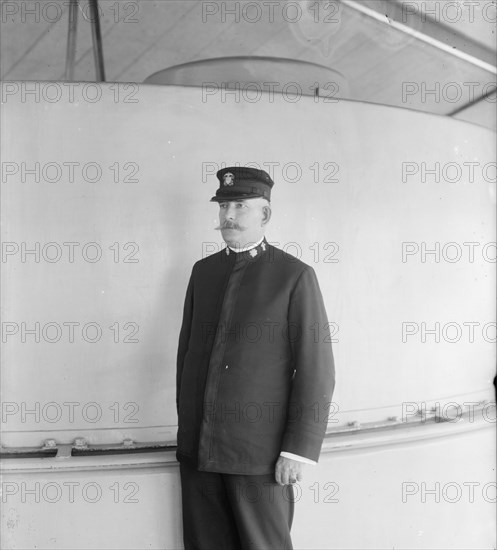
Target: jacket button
[[226, 367]]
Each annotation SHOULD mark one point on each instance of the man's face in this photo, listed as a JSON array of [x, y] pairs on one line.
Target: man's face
[[243, 222]]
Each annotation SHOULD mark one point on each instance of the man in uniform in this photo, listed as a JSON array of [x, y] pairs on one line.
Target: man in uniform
[[254, 379]]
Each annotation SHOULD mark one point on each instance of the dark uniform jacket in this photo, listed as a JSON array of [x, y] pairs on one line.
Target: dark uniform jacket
[[255, 371]]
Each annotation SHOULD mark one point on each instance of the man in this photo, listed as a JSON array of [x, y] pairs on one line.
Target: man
[[254, 378]]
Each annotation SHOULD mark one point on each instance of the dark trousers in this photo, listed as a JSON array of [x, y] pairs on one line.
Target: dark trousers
[[235, 512]]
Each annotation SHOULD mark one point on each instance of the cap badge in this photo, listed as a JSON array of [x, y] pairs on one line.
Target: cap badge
[[228, 179]]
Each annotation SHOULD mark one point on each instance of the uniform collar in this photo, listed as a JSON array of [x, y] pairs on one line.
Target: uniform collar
[[251, 251], [244, 249]]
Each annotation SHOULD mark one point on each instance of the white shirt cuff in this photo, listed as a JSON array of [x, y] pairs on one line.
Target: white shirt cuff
[[298, 457]]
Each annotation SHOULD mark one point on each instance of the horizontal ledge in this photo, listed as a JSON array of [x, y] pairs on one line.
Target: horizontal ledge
[[163, 454]]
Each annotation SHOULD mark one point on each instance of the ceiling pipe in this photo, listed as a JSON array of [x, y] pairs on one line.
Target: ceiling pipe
[[97, 41], [71, 40], [432, 33]]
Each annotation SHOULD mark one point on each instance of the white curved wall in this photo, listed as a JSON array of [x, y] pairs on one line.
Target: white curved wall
[[175, 139]]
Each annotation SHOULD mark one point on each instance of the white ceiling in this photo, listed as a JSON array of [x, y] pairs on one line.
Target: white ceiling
[[382, 48]]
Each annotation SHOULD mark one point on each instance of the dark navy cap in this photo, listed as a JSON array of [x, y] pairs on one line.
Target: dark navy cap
[[237, 182]]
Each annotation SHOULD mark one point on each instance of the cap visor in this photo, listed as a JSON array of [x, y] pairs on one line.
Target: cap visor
[[235, 197]]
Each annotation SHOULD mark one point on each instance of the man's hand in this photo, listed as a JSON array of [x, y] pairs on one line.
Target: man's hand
[[288, 471]]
